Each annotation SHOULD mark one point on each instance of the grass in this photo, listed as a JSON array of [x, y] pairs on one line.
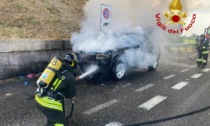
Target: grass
[[40, 19], [188, 40], [18, 7], [33, 21], [53, 20], [52, 9]]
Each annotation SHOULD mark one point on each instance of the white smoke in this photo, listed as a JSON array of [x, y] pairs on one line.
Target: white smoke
[[89, 40], [90, 70], [128, 16]]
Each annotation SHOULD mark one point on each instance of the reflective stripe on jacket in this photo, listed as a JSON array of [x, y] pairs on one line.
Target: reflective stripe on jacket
[[56, 83], [57, 124], [49, 103], [200, 60], [204, 61], [205, 52]]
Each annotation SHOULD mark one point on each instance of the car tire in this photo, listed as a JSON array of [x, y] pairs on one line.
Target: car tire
[[118, 70]]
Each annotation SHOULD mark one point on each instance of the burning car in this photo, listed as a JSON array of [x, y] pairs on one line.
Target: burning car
[[133, 52]]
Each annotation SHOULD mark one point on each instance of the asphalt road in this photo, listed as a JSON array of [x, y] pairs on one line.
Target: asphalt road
[[177, 87]]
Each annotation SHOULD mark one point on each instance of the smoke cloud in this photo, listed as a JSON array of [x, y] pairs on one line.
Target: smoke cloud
[[133, 23], [89, 71]]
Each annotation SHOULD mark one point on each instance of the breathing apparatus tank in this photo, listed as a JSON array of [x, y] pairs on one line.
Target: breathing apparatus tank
[[49, 72]]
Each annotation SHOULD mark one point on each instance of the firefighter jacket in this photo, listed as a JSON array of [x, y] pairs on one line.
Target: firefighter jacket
[[204, 47], [63, 85]]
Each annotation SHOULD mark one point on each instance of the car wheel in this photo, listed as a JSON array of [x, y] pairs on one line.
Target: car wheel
[[153, 67], [118, 70]]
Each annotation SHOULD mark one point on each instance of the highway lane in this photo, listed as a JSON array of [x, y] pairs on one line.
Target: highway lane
[[177, 87], [126, 110]]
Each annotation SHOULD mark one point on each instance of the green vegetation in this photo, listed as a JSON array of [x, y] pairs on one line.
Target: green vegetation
[[53, 9], [188, 40], [43, 19], [33, 21], [18, 7], [53, 20]]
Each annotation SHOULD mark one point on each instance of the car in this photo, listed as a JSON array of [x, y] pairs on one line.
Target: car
[[116, 60]]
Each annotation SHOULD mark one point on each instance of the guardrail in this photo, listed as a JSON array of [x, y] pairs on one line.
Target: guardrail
[[181, 47]]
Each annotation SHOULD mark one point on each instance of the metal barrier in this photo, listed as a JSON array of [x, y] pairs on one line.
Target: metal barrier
[[181, 47]]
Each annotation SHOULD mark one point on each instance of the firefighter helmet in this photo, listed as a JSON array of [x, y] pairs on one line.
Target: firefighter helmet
[[71, 59], [202, 37]]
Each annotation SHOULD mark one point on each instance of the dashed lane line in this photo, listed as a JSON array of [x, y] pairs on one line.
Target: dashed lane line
[[144, 88], [195, 76], [184, 70], [152, 102], [179, 85], [206, 70], [114, 124], [168, 77], [100, 107]]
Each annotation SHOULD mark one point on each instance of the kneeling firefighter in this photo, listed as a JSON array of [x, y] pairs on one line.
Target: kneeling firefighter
[[203, 51], [56, 83]]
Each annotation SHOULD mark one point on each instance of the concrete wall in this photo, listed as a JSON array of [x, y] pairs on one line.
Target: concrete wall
[[20, 57]]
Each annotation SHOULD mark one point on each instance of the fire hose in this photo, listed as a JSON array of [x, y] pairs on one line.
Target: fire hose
[[72, 103], [72, 109], [188, 56], [169, 118]]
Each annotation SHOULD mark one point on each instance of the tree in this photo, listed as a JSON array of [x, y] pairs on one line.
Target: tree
[[193, 35]]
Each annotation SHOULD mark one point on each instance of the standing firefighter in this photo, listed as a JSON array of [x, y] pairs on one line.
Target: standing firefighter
[[203, 51], [50, 96]]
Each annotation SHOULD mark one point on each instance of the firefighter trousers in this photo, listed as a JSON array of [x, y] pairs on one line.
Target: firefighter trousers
[[205, 59], [54, 117], [202, 58]]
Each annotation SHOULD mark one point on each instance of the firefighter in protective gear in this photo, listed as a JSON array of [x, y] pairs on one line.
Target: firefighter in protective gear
[[51, 101], [203, 50]]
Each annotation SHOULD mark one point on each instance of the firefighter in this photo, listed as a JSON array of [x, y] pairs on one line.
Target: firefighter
[[51, 101], [203, 51], [199, 61]]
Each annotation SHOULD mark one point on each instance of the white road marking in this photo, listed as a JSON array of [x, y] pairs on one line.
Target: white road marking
[[144, 88], [126, 85], [180, 85], [8, 94], [206, 70], [114, 124], [184, 70], [100, 107], [152, 102], [196, 75], [168, 77]]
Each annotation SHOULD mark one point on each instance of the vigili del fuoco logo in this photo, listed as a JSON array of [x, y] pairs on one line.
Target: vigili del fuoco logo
[[175, 16]]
